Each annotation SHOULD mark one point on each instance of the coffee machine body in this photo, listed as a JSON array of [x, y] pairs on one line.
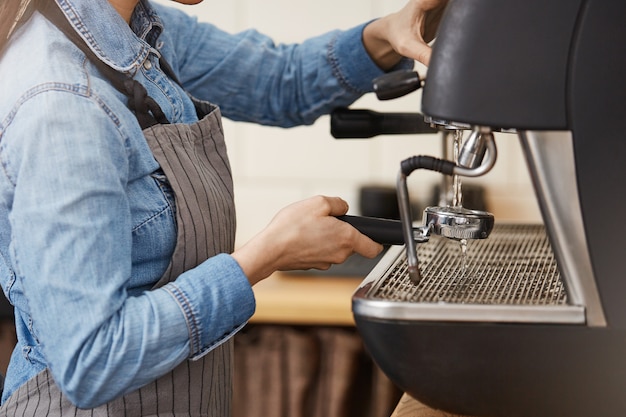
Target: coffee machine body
[[553, 74], [551, 70]]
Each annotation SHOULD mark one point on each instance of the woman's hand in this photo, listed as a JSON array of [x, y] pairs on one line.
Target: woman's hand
[[404, 34], [304, 235]]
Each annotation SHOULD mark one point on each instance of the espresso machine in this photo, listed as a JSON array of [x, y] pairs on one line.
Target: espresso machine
[[528, 319]]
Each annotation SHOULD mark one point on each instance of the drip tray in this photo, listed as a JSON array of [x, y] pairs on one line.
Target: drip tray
[[512, 276]]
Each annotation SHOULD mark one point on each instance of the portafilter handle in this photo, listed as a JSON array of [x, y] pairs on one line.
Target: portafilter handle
[[384, 231]]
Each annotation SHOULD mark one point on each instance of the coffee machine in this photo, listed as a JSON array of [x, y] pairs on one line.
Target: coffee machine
[[530, 321]]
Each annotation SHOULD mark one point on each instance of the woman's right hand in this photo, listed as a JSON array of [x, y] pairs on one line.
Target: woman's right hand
[[404, 33], [304, 235]]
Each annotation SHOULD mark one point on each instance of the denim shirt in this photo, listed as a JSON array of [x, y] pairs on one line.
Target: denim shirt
[[86, 224]]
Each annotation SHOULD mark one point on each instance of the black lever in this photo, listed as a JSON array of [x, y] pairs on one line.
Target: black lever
[[396, 84], [361, 124]]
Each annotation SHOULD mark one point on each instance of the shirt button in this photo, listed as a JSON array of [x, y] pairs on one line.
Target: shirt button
[[147, 64]]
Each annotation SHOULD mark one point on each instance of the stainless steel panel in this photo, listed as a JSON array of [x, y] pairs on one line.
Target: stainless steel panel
[[551, 162]]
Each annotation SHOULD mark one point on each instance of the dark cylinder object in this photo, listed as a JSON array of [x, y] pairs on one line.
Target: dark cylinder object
[[362, 124], [396, 84]]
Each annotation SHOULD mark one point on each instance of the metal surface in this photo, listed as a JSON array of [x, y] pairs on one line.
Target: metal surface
[[510, 277], [441, 166], [550, 158], [473, 151], [458, 222], [486, 162], [404, 205]]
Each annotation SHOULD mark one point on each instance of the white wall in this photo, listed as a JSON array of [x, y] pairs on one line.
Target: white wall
[[273, 167]]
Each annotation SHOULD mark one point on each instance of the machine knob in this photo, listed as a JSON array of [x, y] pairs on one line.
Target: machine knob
[[396, 84]]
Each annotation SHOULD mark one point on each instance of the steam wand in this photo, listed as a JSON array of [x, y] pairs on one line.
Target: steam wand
[[451, 222]]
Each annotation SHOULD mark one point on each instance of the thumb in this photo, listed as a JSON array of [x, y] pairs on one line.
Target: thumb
[[337, 206]]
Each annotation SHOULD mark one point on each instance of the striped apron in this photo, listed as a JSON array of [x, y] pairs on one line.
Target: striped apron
[[194, 160]]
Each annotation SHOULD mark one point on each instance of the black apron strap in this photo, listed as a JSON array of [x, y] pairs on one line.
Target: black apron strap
[[146, 109]]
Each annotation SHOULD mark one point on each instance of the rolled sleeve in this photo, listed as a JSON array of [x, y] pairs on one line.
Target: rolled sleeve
[[352, 64], [216, 300]]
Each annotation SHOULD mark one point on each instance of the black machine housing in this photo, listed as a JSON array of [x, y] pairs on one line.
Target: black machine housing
[[536, 67]]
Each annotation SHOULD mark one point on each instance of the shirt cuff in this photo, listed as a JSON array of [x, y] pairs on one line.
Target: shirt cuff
[[351, 63], [217, 301]]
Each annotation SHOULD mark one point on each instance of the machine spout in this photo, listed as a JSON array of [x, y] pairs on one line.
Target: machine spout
[[452, 222]]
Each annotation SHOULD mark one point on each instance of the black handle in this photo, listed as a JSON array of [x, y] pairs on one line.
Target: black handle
[[396, 84], [383, 231], [361, 124]]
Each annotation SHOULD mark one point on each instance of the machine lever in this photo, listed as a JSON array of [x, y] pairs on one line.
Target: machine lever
[[361, 124]]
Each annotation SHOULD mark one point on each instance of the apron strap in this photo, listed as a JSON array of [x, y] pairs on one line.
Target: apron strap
[[146, 109]]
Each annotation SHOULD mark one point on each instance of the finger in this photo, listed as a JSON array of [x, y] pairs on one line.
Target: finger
[[322, 266], [423, 56], [337, 206], [366, 247], [418, 51]]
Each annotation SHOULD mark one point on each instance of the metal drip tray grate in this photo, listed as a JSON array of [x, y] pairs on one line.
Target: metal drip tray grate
[[510, 276], [515, 265]]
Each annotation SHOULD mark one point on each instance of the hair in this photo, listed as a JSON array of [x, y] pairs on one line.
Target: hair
[[12, 14]]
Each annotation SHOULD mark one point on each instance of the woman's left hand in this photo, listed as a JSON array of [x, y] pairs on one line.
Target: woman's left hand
[[405, 33]]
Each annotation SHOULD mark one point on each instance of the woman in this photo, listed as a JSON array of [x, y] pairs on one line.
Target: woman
[[116, 202]]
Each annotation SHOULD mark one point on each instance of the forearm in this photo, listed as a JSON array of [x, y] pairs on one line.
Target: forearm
[[253, 79]]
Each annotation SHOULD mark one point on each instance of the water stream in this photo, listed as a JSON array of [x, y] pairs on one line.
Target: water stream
[[457, 200]]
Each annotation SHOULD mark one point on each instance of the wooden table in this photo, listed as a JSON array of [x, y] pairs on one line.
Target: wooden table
[[289, 298]]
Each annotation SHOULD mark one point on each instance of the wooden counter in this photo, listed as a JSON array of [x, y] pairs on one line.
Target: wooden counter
[[410, 407], [305, 299]]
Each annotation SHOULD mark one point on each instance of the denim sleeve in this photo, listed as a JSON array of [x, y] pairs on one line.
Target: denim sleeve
[[252, 79], [71, 245], [229, 293]]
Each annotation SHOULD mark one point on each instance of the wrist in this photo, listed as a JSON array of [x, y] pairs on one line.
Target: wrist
[[255, 260], [377, 45]]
